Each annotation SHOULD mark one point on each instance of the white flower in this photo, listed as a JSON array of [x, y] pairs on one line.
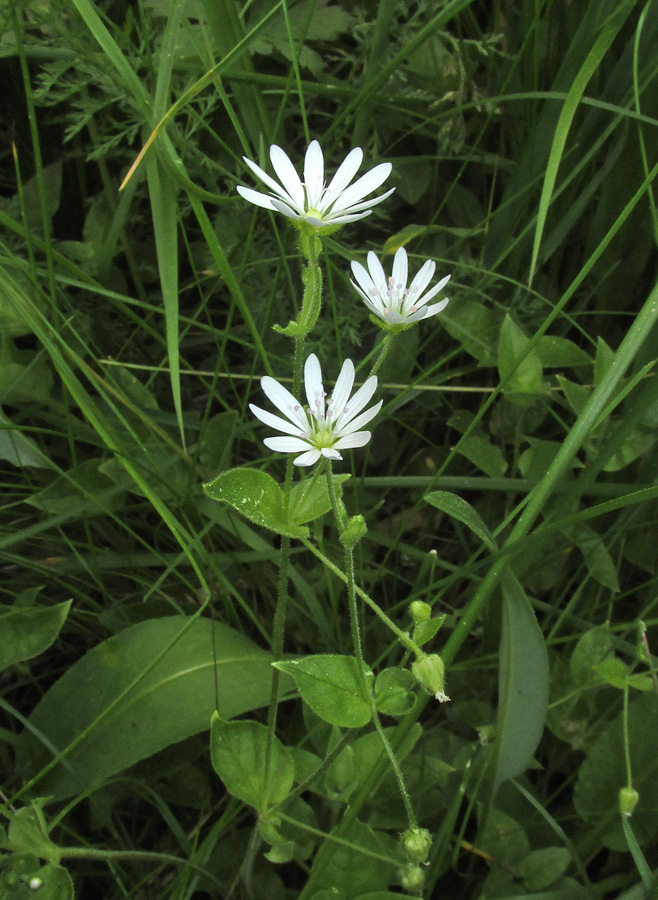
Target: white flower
[[310, 201], [323, 427], [390, 299]]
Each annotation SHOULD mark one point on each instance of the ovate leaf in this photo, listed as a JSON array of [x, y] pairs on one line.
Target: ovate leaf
[[28, 632], [331, 686], [238, 753], [309, 499], [257, 497]]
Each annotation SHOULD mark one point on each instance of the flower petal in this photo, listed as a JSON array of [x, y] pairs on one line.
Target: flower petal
[[435, 308], [355, 207], [343, 388], [421, 280], [400, 269], [366, 184], [285, 444], [356, 404], [378, 276], [255, 197], [346, 172], [284, 401], [313, 174], [357, 423], [330, 453], [282, 207], [308, 458], [268, 418], [313, 385], [360, 439], [286, 172], [267, 180]]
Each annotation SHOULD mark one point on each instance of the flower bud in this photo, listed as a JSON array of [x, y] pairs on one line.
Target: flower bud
[[420, 611], [429, 673], [412, 879], [354, 531], [416, 842], [628, 798], [35, 883]]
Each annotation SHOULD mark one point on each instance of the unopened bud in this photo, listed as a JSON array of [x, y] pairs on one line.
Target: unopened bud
[[416, 842], [356, 528], [412, 879], [420, 611], [628, 798], [429, 672]]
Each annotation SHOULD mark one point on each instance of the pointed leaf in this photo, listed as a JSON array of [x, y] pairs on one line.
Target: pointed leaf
[[28, 632], [256, 496], [460, 509], [238, 752], [309, 499], [331, 686], [522, 683]]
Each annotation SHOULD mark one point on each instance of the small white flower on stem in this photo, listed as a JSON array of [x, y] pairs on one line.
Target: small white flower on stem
[[389, 298], [325, 426], [309, 200]]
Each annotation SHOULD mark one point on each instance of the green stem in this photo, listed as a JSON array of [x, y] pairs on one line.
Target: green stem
[[341, 522], [311, 247], [140, 855], [384, 347], [627, 752], [402, 636]]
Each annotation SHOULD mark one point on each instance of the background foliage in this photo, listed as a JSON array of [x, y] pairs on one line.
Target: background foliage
[[134, 327]]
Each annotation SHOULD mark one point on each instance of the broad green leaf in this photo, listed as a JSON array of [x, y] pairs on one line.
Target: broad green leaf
[[18, 449], [238, 753], [256, 496], [394, 694], [349, 868], [309, 499], [479, 450], [521, 374], [140, 691], [560, 353], [331, 686], [534, 461], [28, 833], [542, 868], [25, 376], [28, 632], [603, 774], [616, 673], [54, 882], [475, 327], [522, 683], [458, 508], [592, 648], [597, 559], [83, 490]]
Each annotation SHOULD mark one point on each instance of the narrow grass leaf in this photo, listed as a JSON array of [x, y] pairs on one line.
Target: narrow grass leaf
[[587, 70], [162, 192]]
